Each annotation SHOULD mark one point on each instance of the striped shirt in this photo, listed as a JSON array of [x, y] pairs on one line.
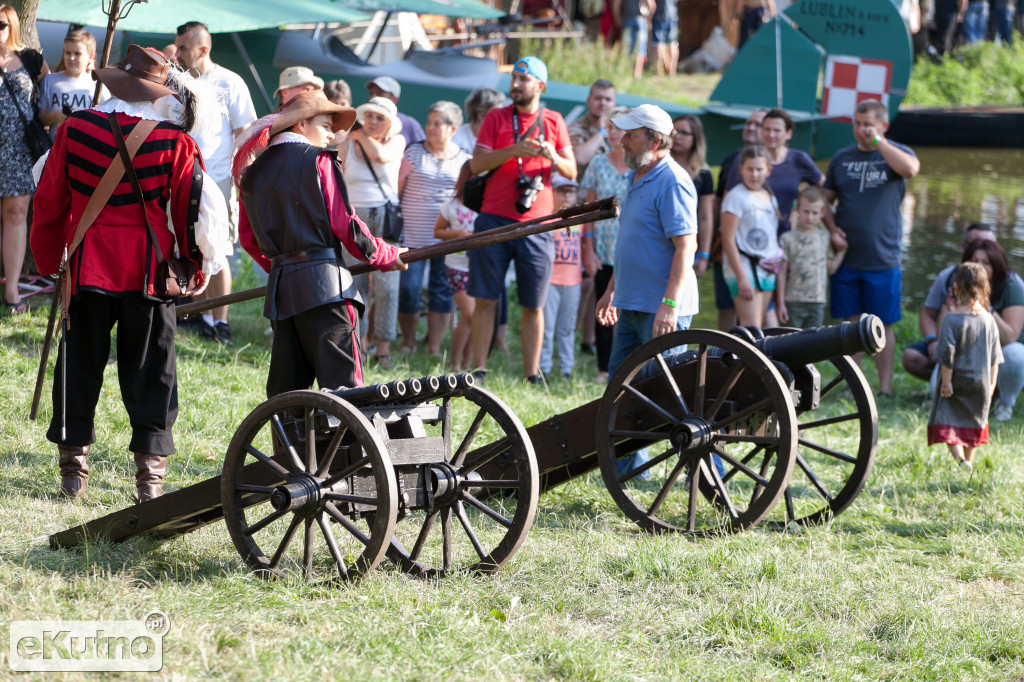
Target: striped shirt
[[430, 183], [116, 254]]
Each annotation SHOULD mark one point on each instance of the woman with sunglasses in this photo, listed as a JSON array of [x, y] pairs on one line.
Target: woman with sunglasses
[[22, 69]]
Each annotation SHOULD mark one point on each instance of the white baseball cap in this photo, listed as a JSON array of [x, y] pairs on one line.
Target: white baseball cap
[[387, 84], [646, 116]]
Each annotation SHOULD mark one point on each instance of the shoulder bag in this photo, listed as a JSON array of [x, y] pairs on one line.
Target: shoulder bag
[[36, 137], [174, 276], [393, 229]]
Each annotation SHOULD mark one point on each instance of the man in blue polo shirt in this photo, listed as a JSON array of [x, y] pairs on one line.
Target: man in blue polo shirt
[[867, 181], [653, 290]]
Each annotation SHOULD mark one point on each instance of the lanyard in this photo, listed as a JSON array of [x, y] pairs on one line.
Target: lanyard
[[515, 131]]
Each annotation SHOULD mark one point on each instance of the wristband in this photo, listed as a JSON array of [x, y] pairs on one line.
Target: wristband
[[704, 255], [588, 234], [875, 140], [670, 303], [930, 337]]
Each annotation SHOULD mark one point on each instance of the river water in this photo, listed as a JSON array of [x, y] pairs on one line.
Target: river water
[[954, 188]]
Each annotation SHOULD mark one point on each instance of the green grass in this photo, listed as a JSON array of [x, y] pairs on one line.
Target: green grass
[[922, 578], [982, 73], [587, 62]]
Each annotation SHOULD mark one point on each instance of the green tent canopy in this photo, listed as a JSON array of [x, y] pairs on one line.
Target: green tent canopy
[[221, 16], [230, 16]]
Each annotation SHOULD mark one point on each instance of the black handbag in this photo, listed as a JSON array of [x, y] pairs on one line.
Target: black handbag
[[36, 137], [473, 191], [393, 228]]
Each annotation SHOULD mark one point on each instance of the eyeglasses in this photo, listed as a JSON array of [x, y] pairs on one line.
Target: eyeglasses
[[683, 133], [3, 25]]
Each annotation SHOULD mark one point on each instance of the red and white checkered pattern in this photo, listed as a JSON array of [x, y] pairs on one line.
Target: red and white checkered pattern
[[851, 80]]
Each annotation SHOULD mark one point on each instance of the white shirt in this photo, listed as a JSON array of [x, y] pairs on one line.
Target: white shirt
[[236, 111]]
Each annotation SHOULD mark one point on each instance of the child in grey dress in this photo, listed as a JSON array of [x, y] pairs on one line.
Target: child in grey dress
[[969, 356]]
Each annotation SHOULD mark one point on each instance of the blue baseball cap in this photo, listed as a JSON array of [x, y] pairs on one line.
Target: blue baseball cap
[[533, 66]]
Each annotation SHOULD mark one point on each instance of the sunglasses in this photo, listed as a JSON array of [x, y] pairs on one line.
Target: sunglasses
[[3, 25]]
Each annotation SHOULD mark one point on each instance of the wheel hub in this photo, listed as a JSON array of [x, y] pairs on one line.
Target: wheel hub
[[301, 494], [444, 483], [691, 434]]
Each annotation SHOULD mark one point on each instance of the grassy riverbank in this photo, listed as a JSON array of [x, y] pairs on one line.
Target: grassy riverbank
[[922, 578], [979, 74]]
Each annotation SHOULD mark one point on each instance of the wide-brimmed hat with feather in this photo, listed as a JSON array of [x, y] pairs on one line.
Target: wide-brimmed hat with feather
[[140, 77]]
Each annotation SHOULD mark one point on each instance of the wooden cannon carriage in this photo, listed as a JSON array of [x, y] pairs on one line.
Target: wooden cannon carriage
[[438, 474]]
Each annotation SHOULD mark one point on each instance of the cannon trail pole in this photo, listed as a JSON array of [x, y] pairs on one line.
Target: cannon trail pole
[[602, 209]]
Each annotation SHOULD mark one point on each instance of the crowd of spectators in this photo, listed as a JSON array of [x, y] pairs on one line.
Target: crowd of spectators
[[847, 223]]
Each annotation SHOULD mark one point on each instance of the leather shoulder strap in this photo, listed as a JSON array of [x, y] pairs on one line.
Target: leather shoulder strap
[[133, 179], [109, 181]]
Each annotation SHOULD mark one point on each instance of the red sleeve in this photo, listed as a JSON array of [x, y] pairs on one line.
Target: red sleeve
[[51, 209], [184, 186], [247, 238], [488, 131], [361, 244]]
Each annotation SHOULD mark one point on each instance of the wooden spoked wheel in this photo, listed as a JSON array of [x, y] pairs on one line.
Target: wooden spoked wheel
[[308, 489], [719, 424], [836, 446], [483, 497]]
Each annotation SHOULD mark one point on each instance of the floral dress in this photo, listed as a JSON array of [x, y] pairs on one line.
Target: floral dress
[[15, 158]]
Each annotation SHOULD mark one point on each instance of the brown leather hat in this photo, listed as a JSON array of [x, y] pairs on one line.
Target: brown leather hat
[[140, 77], [310, 104]]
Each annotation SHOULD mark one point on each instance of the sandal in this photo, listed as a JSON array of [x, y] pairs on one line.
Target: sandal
[[19, 308], [383, 361]]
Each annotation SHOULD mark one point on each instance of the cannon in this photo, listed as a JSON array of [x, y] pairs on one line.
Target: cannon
[[437, 474]]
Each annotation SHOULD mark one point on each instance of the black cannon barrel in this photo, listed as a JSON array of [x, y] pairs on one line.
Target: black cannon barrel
[[364, 395], [413, 387], [430, 383], [398, 390], [866, 335], [433, 387]]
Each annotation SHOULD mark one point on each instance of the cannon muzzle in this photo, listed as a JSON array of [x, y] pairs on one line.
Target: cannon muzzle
[[866, 335]]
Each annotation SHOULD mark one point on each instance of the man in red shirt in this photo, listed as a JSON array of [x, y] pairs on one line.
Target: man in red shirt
[[521, 143], [111, 273]]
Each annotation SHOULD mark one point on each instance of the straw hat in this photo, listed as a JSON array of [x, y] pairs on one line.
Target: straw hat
[[385, 108], [310, 104], [294, 76], [140, 77]]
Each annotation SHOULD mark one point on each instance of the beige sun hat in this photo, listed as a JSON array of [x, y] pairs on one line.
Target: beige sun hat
[[385, 108], [294, 76]]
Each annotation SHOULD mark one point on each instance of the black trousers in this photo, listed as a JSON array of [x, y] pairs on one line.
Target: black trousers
[[603, 336], [317, 344], [146, 369]]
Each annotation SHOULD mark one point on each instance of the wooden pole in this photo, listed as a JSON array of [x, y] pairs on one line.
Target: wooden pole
[[108, 40], [602, 209]]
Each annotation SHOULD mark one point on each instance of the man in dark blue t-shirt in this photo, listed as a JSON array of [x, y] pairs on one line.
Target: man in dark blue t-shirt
[[867, 180]]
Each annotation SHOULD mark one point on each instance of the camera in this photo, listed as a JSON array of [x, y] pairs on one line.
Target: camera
[[528, 188]]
